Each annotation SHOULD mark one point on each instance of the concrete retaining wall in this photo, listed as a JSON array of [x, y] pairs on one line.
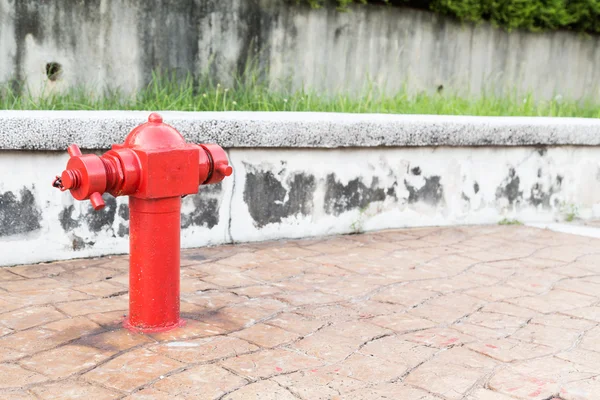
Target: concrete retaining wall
[[317, 174], [118, 43]]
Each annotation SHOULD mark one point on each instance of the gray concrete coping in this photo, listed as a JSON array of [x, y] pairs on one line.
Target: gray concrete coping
[[55, 130]]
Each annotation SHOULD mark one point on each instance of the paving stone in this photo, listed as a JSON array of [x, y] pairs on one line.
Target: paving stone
[[387, 391], [452, 373], [551, 336], [396, 350], [589, 313], [101, 289], [48, 336], [30, 284], [554, 301], [438, 337], [204, 349], [86, 275], [71, 390], [327, 345], [235, 318], [332, 313], [131, 370], [295, 323], [66, 360], [402, 323], [367, 368], [509, 350], [15, 376], [7, 354], [46, 296], [539, 379], [18, 395], [84, 307], [113, 319], [192, 329], [264, 390], [211, 300], [270, 363], [31, 316], [485, 394], [591, 340], [115, 341], [265, 335], [315, 384], [470, 313], [35, 271], [152, 394], [204, 381]]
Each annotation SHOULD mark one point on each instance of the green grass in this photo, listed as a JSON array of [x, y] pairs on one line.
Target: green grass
[[507, 221], [251, 95]]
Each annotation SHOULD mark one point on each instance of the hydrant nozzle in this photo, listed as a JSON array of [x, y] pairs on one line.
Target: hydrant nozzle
[[155, 167]]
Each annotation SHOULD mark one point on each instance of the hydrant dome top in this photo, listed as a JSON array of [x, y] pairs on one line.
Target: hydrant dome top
[[154, 134]]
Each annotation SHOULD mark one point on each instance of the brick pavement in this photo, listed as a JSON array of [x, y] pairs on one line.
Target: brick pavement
[[473, 313]]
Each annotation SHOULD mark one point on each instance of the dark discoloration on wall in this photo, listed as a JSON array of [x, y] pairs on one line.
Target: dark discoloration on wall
[[432, 192], [540, 196], [124, 212], [269, 201], [97, 220], [27, 22], [206, 207], [123, 230], [79, 244], [340, 198], [476, 187], [206, 213], [391, 191], [19, 216], [66, 219], [509, 188]]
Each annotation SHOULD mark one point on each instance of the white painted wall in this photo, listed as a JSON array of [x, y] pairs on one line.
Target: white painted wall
[[458, 170]]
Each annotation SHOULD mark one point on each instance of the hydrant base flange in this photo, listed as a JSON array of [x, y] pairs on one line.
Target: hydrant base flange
[[151, 329]]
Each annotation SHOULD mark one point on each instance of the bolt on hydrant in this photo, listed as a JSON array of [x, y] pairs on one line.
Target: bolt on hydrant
[[155, 167]]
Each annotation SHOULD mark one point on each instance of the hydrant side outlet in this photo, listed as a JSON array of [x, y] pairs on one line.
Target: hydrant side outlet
[[155, 167]]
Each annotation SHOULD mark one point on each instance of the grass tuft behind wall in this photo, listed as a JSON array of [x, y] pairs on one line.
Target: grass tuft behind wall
[[166, 93]]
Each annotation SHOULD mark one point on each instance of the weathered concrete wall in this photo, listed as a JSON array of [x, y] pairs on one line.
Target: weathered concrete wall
[[294, 191], [117, 44]]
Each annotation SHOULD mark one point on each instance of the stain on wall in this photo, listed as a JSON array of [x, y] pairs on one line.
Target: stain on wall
[[97, 220], [124, 212], [206, 206], [19, 215], [269, 201], [509, 188], [353, 195], [66, 219], [79, 244], [432, 192], [541, 194], [123, 230]]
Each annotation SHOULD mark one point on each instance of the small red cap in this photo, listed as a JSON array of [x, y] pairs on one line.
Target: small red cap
[[155, 118]]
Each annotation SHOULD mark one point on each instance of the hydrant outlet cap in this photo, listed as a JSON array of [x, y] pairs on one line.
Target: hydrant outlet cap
[[156, 118]]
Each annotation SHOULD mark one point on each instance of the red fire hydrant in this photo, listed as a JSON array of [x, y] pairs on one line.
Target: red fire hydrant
[[155, 167]]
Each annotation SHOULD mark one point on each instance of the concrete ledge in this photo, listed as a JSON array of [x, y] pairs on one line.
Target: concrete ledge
[[55, 130]]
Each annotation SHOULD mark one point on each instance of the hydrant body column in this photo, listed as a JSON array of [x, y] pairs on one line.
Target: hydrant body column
[[154, 248], [155, 167]]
